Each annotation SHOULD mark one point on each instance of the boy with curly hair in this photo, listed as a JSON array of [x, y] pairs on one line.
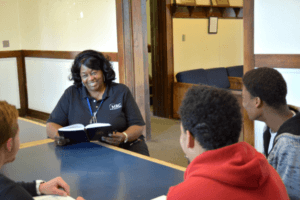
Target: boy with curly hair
[[220, 166]]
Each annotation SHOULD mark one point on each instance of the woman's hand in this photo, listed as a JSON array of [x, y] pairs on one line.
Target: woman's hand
[[115, 138]]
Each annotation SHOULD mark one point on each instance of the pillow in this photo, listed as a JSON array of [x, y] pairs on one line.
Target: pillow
[[196, 76], [217, 77], [235, 71]]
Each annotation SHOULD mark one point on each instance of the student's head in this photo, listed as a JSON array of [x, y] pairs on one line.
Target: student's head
[[9, 131], [210, 117], [93, 60], [263, 86]]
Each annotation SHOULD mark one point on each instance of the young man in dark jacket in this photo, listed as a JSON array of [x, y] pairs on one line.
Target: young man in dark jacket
[[264, 99]]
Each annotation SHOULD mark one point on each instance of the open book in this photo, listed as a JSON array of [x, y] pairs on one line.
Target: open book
[[80, 133]]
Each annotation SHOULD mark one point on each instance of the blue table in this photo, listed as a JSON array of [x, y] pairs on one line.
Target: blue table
[[94, 171], [31, 131]]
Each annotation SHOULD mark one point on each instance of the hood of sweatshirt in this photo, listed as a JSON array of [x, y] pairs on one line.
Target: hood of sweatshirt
[[238, 165]]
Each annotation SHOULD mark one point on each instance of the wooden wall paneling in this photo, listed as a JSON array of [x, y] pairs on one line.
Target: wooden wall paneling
[[204, 11], [199, 12], [38, 114], [21, 78], [133, 53], [125, 49], [120, 34], [22, 85], [179, 91], [169, 59], [162, 57], [20, 56], [249, 62], [236, 83], [10, 54], [180, 11], [140, 56], [277, 60], [146, 83]]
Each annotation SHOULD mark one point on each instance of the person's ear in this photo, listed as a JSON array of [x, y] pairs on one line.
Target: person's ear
[[9, 144], [190, 139], [258, 102]]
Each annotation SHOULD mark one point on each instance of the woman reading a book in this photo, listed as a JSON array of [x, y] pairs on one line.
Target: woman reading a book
[[94, 97]]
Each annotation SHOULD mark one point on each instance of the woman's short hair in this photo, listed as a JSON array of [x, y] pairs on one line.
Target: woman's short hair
[[212, 116], [8, 122], [93, 60]]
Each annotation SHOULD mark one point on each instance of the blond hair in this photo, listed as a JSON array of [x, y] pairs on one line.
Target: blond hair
[[8, 121]]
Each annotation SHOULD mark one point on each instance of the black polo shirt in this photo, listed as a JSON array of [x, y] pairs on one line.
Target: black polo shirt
[[118, 108]]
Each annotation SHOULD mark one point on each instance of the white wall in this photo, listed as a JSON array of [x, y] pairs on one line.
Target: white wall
[[68, 25], [276, 31], [47, 80], [9, 90], [9, 23], [52, 25], [276, 27], [203, 50]]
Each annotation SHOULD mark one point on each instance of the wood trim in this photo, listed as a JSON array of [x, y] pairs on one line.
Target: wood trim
[[62, 54], [162, 57], [140, 57], [50, 54], [125, 42], [249, 61], [33, 122], [223, 12], [21, 78], [277, 60], [10, 54], [236, 83], [179, 90], [22, 85], [38, 114], [121, 43], [133, 54]]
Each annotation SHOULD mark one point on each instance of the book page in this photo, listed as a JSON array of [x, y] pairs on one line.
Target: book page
[[74, 127], [95, 125], [53, 197], [163, 197]]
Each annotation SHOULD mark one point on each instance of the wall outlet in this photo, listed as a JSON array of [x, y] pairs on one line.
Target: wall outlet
[[5, 43], [183, 38]]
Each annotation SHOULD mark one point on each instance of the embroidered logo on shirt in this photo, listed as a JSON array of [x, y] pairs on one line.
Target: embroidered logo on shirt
[[113, 106]]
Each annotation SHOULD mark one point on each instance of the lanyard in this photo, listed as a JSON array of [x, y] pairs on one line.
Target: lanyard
[[95, 113]]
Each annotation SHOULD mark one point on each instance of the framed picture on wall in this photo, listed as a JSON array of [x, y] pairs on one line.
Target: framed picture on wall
[[213, 25]]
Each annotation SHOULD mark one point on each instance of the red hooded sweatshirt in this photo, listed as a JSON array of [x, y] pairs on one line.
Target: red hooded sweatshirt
[[237, 171]]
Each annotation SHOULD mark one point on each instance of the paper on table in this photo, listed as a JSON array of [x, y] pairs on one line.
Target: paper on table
[[163, 197], [53, 197]]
